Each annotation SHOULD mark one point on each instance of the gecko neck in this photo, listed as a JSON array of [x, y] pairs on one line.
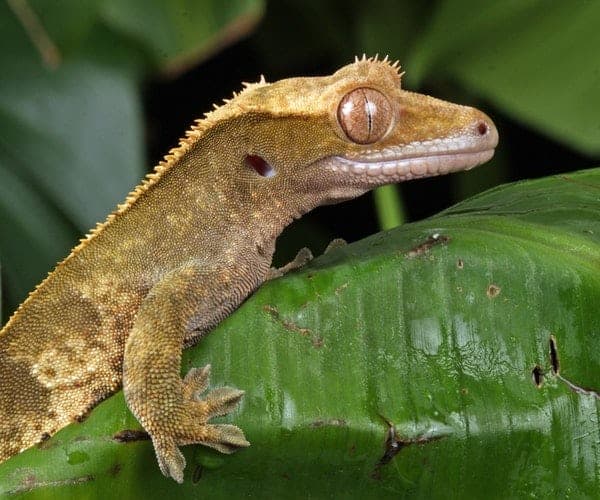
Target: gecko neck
[[231, 214], [262, 224]]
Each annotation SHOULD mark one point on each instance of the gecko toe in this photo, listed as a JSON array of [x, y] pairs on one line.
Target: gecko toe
[[303, 257], [221, 401], [335, 244], [170, 459], [196, 382], [225, 438], [229, 438]]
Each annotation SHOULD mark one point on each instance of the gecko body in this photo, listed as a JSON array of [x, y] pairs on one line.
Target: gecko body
[[193, 240]]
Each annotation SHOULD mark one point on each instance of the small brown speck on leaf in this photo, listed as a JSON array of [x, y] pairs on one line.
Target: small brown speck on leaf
[[330, 422], [197, 474], [394, 443], [424, 247], [129, 435], [44, 442], [316, 340], [114, 470], [554, 355], [493, 291], [537, 375]]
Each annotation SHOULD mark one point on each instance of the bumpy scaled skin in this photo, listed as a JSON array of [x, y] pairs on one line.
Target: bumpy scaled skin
[[197, 236]]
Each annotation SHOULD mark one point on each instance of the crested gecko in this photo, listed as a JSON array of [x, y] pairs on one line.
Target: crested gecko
[[197, 236]]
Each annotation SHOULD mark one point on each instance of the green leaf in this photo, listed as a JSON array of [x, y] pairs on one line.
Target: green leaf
[[70, 145], [28, 217], [180, 33], [436, 328], [392, 28], [67, 25], [91, 162]]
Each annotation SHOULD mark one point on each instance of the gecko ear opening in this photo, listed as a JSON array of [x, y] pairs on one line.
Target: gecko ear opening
[[365, 115], [261, 166]]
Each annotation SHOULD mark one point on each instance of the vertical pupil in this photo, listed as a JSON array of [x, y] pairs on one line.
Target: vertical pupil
[[370, 110], [260, 165]]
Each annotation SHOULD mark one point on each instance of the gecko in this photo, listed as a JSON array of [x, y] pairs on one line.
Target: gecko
[[197, 236]]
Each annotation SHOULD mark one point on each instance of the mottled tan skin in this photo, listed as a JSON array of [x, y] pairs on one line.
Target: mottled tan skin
[[184, 250]]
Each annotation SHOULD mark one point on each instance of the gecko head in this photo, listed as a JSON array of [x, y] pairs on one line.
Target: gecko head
[[388, 135], [322, 140]]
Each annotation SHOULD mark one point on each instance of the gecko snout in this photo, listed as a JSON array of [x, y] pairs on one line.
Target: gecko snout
[[484, 128]]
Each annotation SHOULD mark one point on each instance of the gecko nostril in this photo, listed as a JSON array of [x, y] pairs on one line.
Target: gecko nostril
[[483, 128]]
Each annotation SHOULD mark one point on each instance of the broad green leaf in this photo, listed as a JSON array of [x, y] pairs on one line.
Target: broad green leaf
[[84, 170], [179, 33], [70, 148], [28, 217], [436, 328], [68, 24], [391, 28]]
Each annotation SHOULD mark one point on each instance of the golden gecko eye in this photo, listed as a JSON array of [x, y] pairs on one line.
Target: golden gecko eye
[[365, 115]]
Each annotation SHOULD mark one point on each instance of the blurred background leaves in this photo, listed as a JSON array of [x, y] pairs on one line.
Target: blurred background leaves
[[94, 92]]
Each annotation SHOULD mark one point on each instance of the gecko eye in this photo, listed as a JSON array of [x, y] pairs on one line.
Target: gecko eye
[[365, 115]]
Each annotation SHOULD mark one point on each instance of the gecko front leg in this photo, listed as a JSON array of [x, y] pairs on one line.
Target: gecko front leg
[[170, 409]]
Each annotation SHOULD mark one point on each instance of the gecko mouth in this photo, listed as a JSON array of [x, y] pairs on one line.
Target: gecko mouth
[[411, 168], [417, 160]]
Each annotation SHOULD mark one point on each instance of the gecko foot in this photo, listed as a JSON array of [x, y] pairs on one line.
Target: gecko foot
[[303, 257], [192, 427], [335, 244]]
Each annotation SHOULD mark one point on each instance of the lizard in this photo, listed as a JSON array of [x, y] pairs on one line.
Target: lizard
[[197, 236]]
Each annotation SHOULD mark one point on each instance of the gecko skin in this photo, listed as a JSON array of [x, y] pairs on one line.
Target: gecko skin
[[196, 238]]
